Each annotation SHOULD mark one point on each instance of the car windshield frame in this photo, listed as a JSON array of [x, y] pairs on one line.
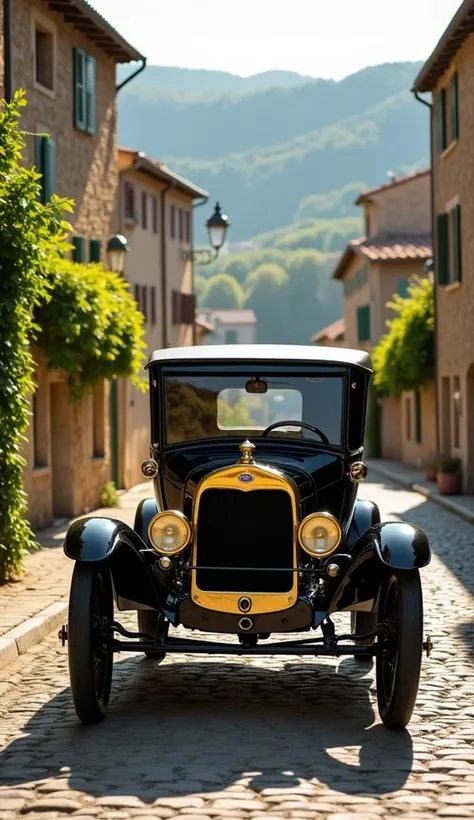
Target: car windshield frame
[[248, 371]]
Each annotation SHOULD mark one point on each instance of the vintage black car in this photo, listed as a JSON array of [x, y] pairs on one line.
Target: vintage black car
[[254, 528]]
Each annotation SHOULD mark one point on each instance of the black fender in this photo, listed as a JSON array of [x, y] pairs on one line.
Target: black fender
[[383, 547], [106, 540], [366, 515], [146, 510]]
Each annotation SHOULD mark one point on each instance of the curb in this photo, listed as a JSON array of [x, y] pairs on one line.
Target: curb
[[440, 500], [18, 640]]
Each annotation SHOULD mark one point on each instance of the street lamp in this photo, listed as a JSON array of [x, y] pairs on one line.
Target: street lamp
[[117, 248], [217, 226]]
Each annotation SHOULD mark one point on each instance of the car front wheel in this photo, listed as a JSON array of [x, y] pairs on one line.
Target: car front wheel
[[90, 664], [398, 675]]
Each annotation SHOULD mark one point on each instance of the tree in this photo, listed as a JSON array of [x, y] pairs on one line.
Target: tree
[[404, 357], [222, 292], [268, 296], [238, 269]]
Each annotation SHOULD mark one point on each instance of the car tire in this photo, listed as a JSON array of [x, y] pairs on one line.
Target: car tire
[[148, 621], [398, 677], [363, 622], [90, 666]]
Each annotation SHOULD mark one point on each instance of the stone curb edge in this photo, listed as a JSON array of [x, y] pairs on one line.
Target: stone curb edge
[[18, 640], [440, 500]]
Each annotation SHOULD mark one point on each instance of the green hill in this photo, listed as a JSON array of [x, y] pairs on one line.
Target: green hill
[[266, 153], [199, 81]]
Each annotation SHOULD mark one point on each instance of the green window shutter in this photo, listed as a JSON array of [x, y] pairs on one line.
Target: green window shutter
[[49, 174], [442, 255], [79, 249], [94, 250], [457, 246], [79, 88], [454, 107], [418, 437], [402, 288], [363, 323], [441, 114], [39, 163], [90, 94]]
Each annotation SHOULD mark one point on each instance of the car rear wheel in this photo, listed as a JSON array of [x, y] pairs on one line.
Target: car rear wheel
[[363, 622], [90, 664], [398, 676], [151, 622]]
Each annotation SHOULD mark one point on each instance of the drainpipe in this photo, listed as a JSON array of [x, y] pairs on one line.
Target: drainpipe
[[127, 79], [195, 205], [7, 46], [164, 278], [433, 238]]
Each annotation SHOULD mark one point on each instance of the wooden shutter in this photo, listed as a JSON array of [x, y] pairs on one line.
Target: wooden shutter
[[144, 210], [154, 215], [188, 315], [418, 433], [363, 323], [173, 219], [79, 249], [153, 305], [90, 69], [145, 302], [94, 250], [79, 56], [188, 226], [177, 307], [181, 224], [457, 245], [136, 293], [402, 288], [442, 248], [441, 114], [129, 200], [454, 107]]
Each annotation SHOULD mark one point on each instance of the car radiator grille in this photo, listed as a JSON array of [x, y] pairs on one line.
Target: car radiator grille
[[246, 531]]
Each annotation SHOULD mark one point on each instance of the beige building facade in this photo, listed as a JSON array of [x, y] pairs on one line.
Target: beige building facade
[[372, 269], [155, 209], [449, 76], [230, 326], [64, 54]]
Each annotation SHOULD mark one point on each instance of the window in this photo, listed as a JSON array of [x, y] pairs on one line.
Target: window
[[449, 246], [98, 422], [181, 224], [78, 249], [402, 287], [144, 210], [441, 114], [231, 337], [454, 107], [188, 226], [45, 161], [140, 293], [84, 91], [363, 323], [417, 410], [408, 418], [456, 409], [94, 250], [44, 52], [154, 214], [447, 109], [173, 222], [153, 305], [184, 308], [129, 209]]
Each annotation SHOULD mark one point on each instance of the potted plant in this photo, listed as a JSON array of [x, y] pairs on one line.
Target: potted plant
[[448, 477], [431, 467]]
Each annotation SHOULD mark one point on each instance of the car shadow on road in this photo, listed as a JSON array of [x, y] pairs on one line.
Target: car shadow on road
[[197, 727]]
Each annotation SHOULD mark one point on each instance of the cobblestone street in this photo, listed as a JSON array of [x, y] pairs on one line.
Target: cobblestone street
[[259, 738]]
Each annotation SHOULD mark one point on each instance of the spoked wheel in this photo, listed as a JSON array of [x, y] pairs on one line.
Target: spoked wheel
[[90, 665], [363, 622], [152, 622], [398, 676]]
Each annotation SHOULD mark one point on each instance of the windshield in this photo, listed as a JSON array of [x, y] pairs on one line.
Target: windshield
[[202, 407]]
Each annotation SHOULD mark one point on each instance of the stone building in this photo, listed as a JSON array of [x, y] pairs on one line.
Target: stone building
[[448, 75]]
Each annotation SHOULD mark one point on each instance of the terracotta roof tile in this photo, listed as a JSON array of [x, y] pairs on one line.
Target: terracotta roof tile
[[388, 246], [331, 332], [390, 184]]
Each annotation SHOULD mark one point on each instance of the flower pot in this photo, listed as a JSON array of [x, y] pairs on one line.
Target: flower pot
[[449, 483], [430, 474]]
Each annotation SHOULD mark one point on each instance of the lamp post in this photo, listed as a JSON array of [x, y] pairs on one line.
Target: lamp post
[[217, 226], [117, 248]]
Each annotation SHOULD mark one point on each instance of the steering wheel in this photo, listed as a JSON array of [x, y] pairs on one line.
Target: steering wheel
[[292, 423]]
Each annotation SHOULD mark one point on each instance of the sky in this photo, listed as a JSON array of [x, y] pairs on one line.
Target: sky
[[321, 38]]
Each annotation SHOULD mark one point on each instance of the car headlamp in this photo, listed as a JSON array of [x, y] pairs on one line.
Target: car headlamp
[[319, 534], [169, 532]]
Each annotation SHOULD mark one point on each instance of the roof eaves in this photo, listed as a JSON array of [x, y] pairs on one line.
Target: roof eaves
[[461, 25], [81, 15], [351, 250], [148, 166]]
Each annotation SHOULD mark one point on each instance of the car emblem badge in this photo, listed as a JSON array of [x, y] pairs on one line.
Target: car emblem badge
[[245, 478]]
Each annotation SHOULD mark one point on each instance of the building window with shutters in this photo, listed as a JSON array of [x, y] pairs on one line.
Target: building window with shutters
[[153, 306], [84, 66], [78, 249], [45, 162], [447, 114], [188, 226], [173, 222], [95, 248], [154, 214], [448, 261], [363, 323], [129, 202], [44, 42], [144, 210], [184, 308]]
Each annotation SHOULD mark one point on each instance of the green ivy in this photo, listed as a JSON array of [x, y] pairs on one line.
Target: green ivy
[[90, 327], [404, 357], [31, 235]]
